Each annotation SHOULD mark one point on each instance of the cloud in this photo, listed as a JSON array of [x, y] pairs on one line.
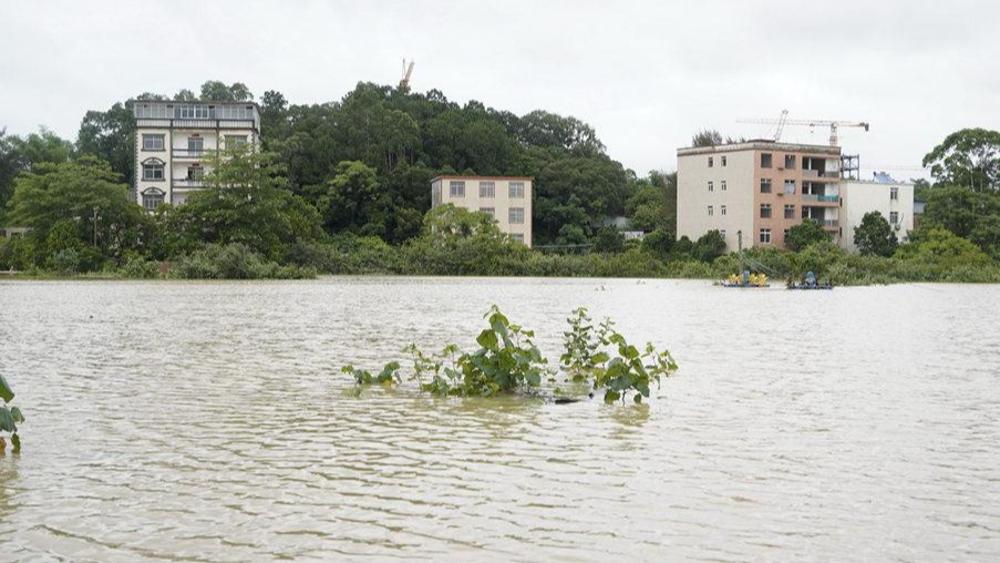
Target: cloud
[[647, 75]]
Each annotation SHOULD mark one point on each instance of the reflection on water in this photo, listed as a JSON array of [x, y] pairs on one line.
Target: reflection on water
[[209, 422]]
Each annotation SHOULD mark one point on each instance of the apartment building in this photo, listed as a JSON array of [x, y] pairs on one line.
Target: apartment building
[[506, 198], [757, 190], [174, 139], [894, 200]]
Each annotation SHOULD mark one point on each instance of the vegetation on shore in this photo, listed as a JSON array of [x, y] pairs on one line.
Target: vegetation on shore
[[508, 361], [343, 188]]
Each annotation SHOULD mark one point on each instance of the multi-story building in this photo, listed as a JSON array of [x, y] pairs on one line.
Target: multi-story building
[[173, 140], [894, 200], [506, 198], [757, 190]]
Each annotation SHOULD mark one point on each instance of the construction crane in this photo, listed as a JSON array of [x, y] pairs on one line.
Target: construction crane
[[782, 121], [404, 82]]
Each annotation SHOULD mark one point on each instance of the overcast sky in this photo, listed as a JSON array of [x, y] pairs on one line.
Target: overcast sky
[[646, 75]]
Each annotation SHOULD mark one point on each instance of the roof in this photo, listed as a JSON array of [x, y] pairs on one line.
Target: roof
[[473, 177], [759, 144], [200, 102]]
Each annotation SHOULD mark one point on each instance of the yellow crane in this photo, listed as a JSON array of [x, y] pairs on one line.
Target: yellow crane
[[404, 82], [782, 121]]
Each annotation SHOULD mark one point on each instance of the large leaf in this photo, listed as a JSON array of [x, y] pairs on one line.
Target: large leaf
[[487, 339], [15, 413], [6, 393], [6, 420]]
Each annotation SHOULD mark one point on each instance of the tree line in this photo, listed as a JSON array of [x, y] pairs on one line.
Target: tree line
[[361, 167]]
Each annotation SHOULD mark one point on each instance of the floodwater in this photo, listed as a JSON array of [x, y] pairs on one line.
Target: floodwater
[[210, 422]]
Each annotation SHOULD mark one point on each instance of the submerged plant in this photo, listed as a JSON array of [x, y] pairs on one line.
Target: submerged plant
[[9, 416], [388, 376], [583, 342], [586, 357], [508, 361]]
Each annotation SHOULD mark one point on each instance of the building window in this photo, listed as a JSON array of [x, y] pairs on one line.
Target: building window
[[195, 172], [722, 210], [893, 217], [151, 199], [723, 158], [893, 193], [192, 112], [710, 162], [515, 216], [765, 160], [196, 144], [789, 211], [722, 232], [152, 171], [517, 237], [789, 187], [487, 189], [790, 161], [515, 190], [152, 142], [765, 236], [711, 186], [765, 211], [710, 211], [786, 234], [722, 185], [765, 185], [233, 141], [456, 189], [488, 210]]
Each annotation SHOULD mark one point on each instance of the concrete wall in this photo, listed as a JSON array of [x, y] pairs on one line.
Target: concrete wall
[[863, 197], [501, 203], [694, 198]]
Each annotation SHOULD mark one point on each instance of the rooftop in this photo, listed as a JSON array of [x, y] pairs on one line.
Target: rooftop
[[759, 144], [474, 177]]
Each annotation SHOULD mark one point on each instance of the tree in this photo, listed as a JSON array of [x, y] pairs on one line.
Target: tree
[[185, 95], [82, 198], [245, 201], [351, 197], [968, 158], [609, 240], [959, 209], [939, 248], [216, 91], [19, 154], [709, 246], [446, 224], [706, 138], [806, 233], [659, 243], [110, 136], [874, 236]]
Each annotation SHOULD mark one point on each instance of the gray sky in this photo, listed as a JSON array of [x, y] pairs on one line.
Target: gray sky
[[646, 75]]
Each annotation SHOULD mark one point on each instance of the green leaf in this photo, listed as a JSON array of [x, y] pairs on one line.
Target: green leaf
[[6, 420], [16, 440], [637, 398], [599, 358], [6, 393], [611, 396], [15, 413], [487, 339]]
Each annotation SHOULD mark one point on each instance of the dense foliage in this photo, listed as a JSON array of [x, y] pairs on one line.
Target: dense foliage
[[875, 236], [343, 187]]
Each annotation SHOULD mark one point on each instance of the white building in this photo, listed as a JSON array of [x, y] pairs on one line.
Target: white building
[[894, 200], [174, 138], [506, 198]]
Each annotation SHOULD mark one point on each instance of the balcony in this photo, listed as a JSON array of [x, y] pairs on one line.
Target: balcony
[[188, 183], [823, 200], [192, 154]]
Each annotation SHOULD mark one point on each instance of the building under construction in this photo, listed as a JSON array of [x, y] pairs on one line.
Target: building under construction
[[753, 192]]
